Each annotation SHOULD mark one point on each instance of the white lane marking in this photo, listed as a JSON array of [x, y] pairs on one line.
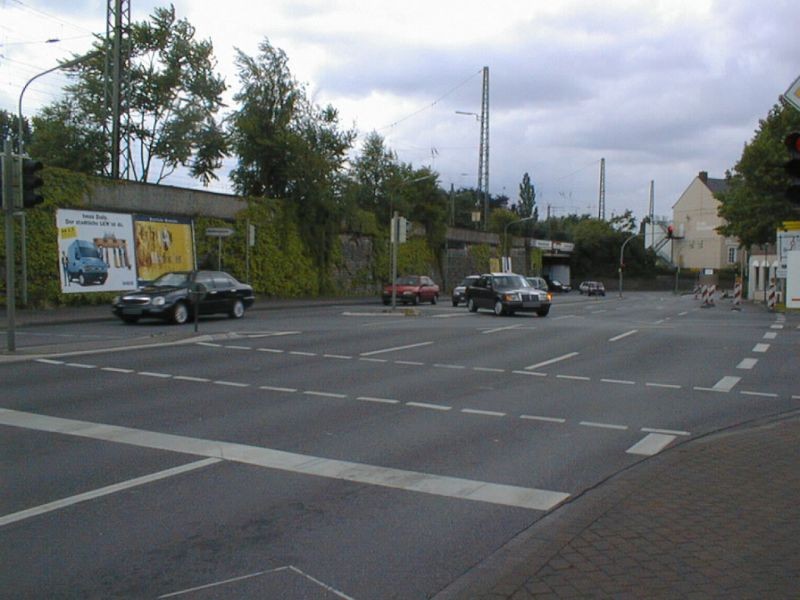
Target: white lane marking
[[532, 373], [189, 378], [413, 363], [565, 317], [431, 406], [299, 353], [651, 444], [272, 334], [770, 335], [49, 361], [620, 381], [683, 314], [449, 315], [151, 374], [273, 350], [776, 326], [375, 360], [232, 384], [413, 481], [671, 386], [726, 383], [485, 413], [81, 365], [105, 491], [324, 394], [545, 419], [551, 361], [292, 568], [623, 335], [117, 370], [379, 400], [747, 363], [761, 348], [659, 322], [488, 370], [604, 425], [209, 344], [443, 366], [274, 388], [574, 377], [496, 329], [238, 347], [761, 394], [395, 349], [339, 356], [665, 431]]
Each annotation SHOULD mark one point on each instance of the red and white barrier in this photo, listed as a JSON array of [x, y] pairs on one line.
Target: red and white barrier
[[737, 296], [772, 297]]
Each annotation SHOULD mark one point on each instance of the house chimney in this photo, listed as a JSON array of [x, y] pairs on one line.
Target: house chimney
[[703, 175]]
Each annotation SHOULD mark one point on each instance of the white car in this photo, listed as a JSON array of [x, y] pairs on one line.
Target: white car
[[461, 288]]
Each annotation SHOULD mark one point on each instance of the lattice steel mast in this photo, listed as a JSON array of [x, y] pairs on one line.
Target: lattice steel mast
[[483, 161]]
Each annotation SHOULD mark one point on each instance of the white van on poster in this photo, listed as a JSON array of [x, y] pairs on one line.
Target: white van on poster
[[95, 251]]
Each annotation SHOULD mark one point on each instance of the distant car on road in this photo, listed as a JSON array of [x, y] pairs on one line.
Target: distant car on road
[[540, 283], [507, 293], [461, 288], [412, 289], [558, 286], [175, 297], [592, 288]]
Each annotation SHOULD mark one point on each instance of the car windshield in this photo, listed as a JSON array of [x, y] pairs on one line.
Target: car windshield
[[511, 281], [172, 280], [89, 251], [407, 280]]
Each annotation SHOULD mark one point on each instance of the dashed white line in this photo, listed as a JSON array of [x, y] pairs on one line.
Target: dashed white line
[[620, 381], [412, 363], [299, 353], [776, 326], [49, 361], [761, 394], [530, 373], [574, 377], [338, 356], [275, 388], [238, 347], [395, 349], [443, 366], [651, 444], [670, 386], [496, 329], [324, 394], [485, 413], [430, 406], [232, 384], [665, 431], [545, 419], [118, 370], [727, 383], [747, 363], [770, 335], [551, 361], [761, 348], [157, 375], [81, 365], [604, 425], [378, 400], [623, 335], [272, 350], [488, 370], [194, 379]]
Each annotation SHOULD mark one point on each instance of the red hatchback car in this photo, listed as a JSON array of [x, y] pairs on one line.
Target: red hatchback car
[[412, 289]]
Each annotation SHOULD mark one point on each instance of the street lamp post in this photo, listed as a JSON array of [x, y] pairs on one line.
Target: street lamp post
[[621, 262], [505, 232]]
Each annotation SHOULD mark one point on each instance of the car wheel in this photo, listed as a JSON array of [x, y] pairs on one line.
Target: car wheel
[[435, 299], [130, 319], [455, 302], [471, 305], [542, 312], [81, 279], [180, 313], [237, 310], [498, 308]]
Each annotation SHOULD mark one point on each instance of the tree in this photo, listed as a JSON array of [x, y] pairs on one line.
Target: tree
[[753, 203], [527, 199], [171, 102], [289, 148], [63, 139], [372, 172], [9, 128]]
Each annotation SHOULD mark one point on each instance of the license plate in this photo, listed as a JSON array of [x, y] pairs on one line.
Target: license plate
[[131, 310]]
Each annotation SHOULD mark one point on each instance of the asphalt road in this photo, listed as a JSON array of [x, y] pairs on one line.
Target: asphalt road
[[350, 452]]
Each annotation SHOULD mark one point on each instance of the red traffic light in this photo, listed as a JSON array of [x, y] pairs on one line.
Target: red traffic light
[[792, 142], [670, 231]]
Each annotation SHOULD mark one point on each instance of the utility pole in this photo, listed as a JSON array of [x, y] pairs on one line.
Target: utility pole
[[601, 209], [118, 21], [483, 161], [652, 214]]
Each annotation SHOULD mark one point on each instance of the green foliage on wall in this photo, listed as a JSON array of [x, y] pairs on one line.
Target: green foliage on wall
[[480, 257]]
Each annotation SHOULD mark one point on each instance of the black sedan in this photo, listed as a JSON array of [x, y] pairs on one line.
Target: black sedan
[[175, 297], [507, 293]]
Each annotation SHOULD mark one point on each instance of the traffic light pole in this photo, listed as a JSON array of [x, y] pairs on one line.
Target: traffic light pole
[[8, 209]]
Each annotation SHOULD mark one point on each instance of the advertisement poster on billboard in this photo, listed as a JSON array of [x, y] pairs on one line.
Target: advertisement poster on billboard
[[163, 244], [95, 251]]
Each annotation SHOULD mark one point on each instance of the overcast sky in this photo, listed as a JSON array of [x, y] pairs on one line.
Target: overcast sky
[[661, 89]]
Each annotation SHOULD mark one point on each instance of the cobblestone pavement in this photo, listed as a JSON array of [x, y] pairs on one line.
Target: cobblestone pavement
[[717, 517]]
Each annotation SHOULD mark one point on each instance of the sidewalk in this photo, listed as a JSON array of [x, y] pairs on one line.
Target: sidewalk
[[716, 517]]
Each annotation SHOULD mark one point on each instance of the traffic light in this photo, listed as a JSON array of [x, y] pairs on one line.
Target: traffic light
[[31, 182], [670, 232], [792, 167]]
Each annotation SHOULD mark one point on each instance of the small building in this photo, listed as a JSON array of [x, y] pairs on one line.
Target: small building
[[696, 243]]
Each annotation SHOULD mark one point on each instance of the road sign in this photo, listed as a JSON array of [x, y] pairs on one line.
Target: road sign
[[219, 232], [792, 95]]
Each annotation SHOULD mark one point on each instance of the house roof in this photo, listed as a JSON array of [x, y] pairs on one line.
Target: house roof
[[716, 185]]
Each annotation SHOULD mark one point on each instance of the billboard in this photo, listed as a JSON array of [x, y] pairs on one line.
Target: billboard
[[163, 244], [95, 251]]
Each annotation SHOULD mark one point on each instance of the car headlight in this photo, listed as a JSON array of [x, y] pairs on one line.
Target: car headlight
[[549, 297], [158, 301], [512, 297]]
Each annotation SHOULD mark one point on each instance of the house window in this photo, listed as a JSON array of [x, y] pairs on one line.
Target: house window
[[732, 255]]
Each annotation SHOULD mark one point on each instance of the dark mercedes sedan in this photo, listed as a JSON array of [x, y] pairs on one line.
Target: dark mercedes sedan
[[507, 293], [175, 297]]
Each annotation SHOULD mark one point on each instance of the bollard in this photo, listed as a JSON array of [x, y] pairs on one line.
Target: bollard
[[737, 296]]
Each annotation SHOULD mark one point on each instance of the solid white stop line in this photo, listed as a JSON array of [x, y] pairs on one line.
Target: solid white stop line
[[412, 481]]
